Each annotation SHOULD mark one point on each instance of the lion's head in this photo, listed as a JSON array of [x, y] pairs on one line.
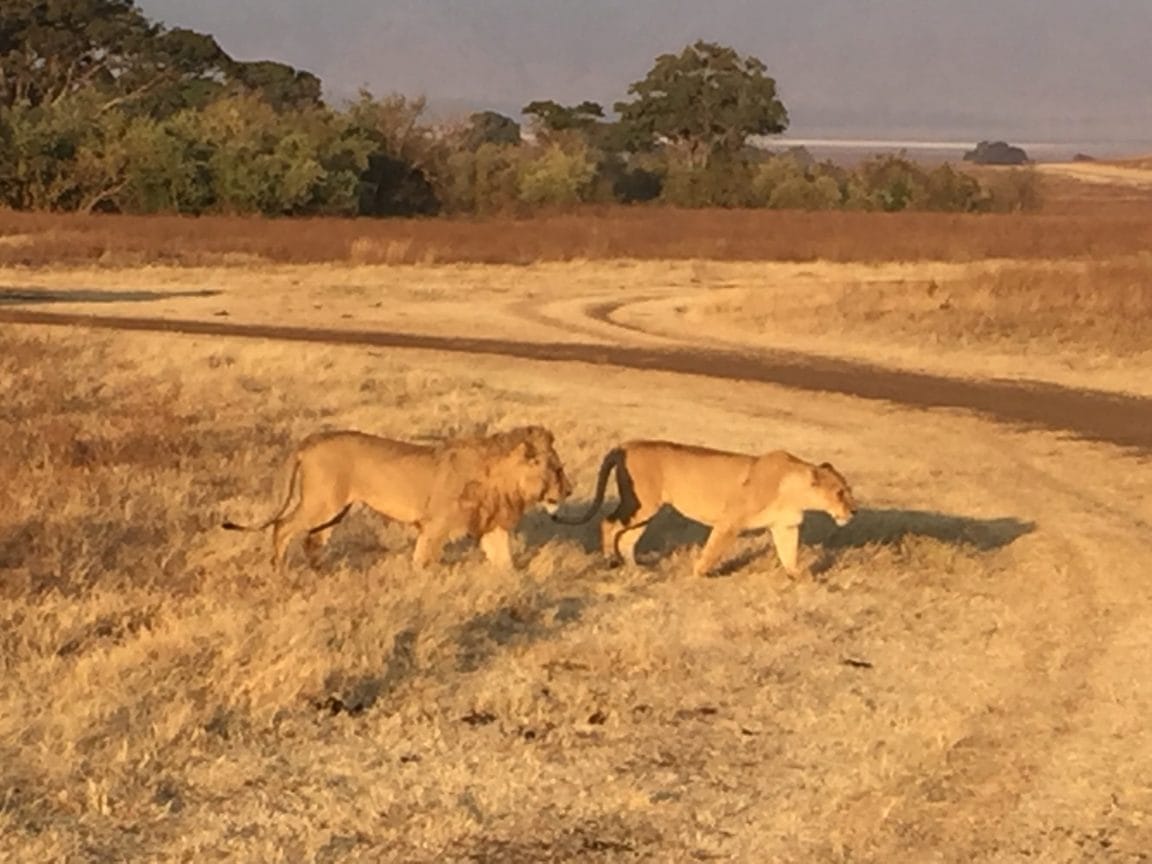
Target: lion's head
[[541, 478], [520, 468], [833, 492]]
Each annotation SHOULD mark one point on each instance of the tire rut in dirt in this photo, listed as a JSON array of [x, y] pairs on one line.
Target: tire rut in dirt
[[1092, 415], [968, 801]]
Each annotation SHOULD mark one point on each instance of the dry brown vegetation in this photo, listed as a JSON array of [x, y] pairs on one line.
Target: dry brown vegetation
[[1085, 312], [963, 679], [1078, 221]]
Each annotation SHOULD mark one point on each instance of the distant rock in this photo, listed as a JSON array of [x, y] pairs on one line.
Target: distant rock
[[997, 153], [1083, 157]]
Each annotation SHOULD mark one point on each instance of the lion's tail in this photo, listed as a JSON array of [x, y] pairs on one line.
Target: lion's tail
[[613, 460], [289, 493]]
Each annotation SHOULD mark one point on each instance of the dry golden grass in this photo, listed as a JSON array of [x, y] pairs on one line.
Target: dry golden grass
[[1084, 323], [1079, 220], [958, 686], [1132, 174], [1076, 322]]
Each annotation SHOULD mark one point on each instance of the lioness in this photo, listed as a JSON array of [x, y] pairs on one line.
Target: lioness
[[479, 486], [729, 491]]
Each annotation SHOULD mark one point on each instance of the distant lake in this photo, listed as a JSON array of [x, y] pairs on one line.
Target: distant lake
[[849, 150]]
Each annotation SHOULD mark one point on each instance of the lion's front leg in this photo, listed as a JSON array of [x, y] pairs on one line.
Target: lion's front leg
[[787, 541], [497, 546], [429, 547]]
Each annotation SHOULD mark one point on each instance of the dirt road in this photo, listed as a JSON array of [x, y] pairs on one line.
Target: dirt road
[[1091, 415]]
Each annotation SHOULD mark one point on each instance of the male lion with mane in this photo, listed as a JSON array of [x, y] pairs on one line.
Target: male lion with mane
[[731, 492], [478, 486]]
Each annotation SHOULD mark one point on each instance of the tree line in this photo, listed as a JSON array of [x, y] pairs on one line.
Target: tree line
[[102, 109]]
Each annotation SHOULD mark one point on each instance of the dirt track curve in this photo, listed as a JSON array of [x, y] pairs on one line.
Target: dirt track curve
[[1089, 414]]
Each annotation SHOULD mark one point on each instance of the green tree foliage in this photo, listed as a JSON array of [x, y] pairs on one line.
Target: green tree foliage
[[793, 181], [490, 127], [51, 50], [281, 86], [549, 116], [61, 156], [169, 167], [260, 160], [406, 161], [724, 182], [484, 181], [944, 188], [185, 69], [101, 109], [556, 175], [704, 101]]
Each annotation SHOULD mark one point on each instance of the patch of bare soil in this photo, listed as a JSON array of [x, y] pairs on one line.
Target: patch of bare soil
[[1098, 416]]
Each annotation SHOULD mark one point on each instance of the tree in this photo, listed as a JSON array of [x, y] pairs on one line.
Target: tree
[[62, 156], [556, 176], [551, 116], [704, 100], [489, 127], [182, 69], [52, 50], [405, 160], [49, 50], [280, 85]]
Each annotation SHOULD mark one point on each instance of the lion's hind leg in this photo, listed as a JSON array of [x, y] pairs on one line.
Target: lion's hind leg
[[622, 530], [317, 538], [314, 516], [719, 539]]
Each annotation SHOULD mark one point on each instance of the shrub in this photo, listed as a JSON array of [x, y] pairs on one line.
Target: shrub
[[944, 188], [1013, 191], [556, 176], [723, 182], [802, 193]]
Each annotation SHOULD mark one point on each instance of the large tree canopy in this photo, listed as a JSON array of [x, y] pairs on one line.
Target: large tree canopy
[[704, 100], [53, 49], [279, 84]]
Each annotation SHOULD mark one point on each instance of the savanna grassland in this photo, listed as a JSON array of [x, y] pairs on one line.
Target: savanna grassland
[[961, 677]]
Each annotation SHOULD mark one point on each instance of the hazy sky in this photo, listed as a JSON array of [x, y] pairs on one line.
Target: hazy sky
[[1024, 69]]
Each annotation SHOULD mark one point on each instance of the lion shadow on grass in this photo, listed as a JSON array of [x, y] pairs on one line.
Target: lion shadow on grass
[[669, 532]]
